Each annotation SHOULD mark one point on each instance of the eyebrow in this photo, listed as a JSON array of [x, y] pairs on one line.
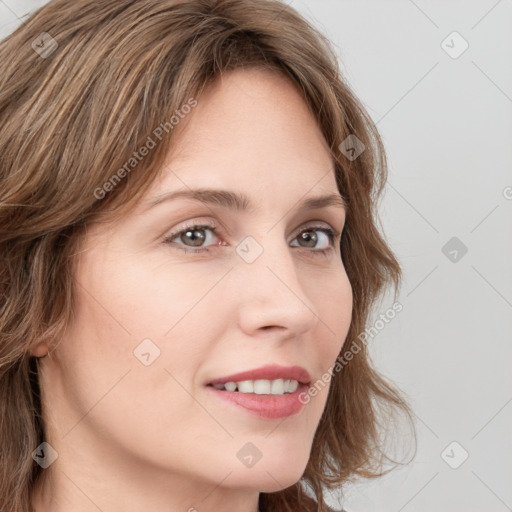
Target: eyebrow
[[240, 202]]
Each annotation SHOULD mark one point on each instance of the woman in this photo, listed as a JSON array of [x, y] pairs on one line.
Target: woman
[[189, 258]]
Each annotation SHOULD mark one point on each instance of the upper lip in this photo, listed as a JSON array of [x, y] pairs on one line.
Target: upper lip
[[268, 372]]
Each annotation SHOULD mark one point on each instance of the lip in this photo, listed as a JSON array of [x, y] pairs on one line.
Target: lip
[[263, 406], [268, 372]]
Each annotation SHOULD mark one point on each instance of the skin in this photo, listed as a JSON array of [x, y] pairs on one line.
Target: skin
[[132, 437]]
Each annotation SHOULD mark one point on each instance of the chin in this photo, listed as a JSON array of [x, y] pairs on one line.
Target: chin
[[280, 481], [261, 481], [272, 475]]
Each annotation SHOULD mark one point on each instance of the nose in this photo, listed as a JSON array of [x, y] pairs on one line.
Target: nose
[[272, 294]]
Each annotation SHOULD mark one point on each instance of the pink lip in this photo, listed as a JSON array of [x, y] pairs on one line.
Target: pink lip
[[268, 372], [264, 406]]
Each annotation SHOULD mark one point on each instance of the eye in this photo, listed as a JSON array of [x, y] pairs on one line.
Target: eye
[[311, 239], [197, 238], [195, 234]]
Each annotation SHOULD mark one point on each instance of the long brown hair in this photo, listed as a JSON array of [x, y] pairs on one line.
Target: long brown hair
[[83, 85]]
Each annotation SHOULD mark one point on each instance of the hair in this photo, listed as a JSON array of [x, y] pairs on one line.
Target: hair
[[71, 120]]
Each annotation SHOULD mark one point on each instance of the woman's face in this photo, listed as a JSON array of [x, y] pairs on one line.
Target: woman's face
[[163, 309]]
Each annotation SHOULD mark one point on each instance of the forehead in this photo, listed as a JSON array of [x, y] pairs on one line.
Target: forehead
[[251, 129]]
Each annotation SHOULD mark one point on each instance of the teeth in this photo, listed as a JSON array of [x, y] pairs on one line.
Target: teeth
[[245, 386], [277, 387], [261, 386], [230, 386], [293, 386]]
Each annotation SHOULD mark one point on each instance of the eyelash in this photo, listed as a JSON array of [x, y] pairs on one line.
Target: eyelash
[[214, 228]]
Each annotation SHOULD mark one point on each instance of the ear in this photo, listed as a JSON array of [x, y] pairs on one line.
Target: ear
[[40, 350]]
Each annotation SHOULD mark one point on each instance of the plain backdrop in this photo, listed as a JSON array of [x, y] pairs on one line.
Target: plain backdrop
[[436, 76]]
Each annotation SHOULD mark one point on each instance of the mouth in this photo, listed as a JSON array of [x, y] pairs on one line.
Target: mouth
[[266, 380], [260, 386], [276, 396], [264, 406]]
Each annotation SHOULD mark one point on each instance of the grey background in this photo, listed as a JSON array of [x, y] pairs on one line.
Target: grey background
[[447, 126]]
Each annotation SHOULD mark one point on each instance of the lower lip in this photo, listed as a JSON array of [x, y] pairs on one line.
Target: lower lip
[[265, 406]]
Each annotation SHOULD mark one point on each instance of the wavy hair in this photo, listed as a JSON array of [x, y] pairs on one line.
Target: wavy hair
[[83, 84]]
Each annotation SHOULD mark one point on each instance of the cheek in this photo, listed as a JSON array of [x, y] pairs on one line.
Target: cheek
[[334, 305], [131, 316], [140, 310], [108, 385], [134, 296], [154, 296]]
